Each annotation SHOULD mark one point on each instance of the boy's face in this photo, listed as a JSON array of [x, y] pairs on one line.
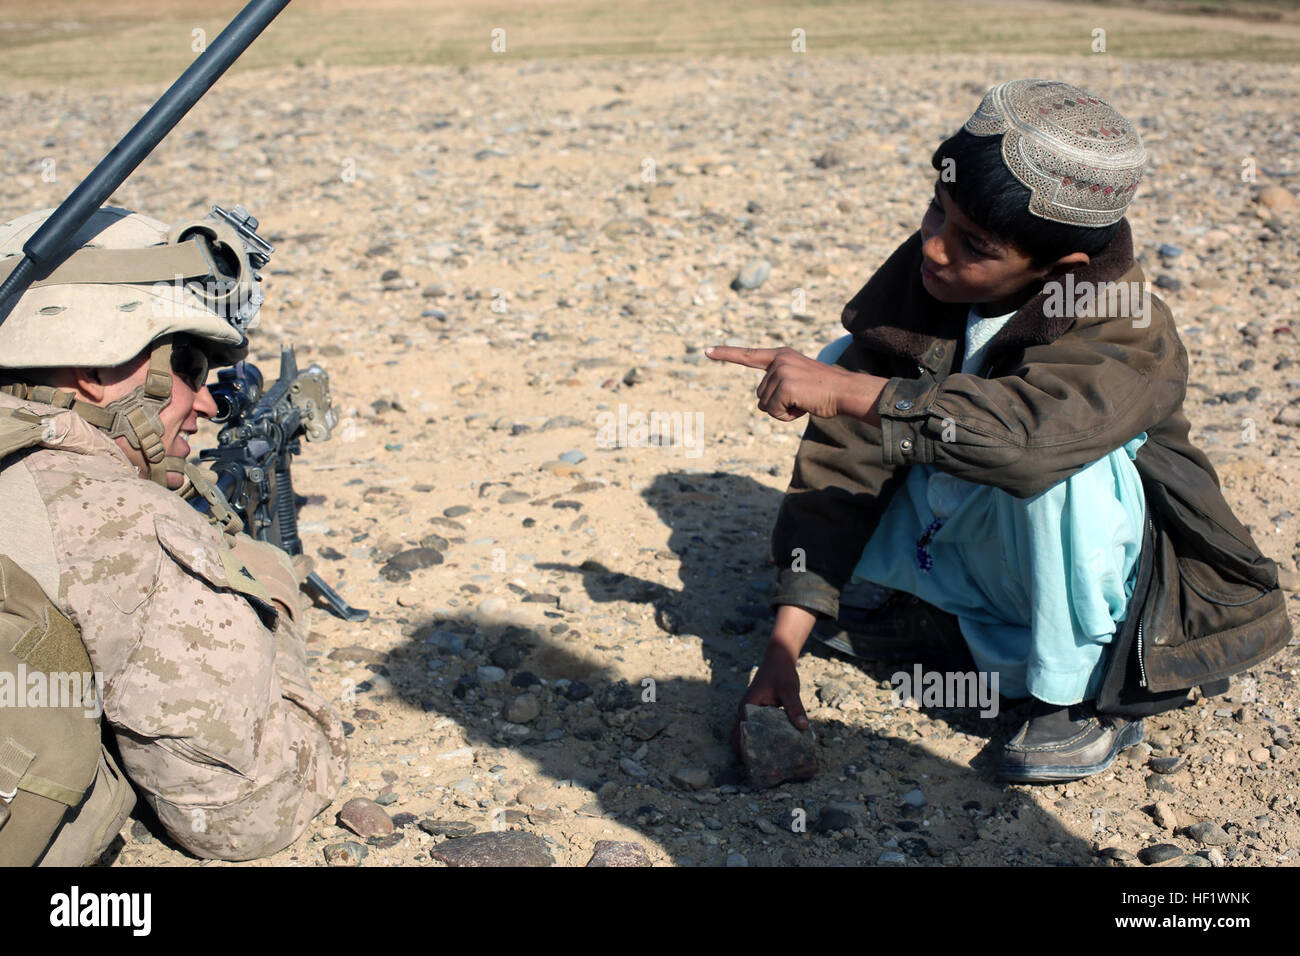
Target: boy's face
[[962, 262]]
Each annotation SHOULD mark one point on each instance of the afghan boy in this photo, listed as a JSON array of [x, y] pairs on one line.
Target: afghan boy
[[1000, 441]]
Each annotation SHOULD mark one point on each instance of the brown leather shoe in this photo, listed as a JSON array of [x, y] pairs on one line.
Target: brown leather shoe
[[903, 629]]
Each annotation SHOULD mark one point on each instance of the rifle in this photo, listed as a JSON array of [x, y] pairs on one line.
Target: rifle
[[262, 429]]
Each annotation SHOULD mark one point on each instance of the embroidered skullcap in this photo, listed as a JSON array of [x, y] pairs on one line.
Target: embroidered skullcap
[[1078, 157]]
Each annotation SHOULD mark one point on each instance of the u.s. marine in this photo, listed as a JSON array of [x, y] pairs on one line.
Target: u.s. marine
[[193, 632]]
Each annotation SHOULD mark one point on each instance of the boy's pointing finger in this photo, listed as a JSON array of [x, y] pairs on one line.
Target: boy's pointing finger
[[754, 358]]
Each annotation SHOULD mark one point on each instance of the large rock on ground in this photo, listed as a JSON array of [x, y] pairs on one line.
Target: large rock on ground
[[772, 750], [365, 818], [504, 848]]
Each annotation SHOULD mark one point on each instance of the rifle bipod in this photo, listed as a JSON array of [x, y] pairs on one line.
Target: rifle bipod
[[315, 586]]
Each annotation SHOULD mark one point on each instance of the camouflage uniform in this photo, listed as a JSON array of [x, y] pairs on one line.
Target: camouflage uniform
[[203, 664]]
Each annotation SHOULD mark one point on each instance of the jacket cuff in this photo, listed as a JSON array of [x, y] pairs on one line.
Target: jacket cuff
[[806, 589], [904, 407]]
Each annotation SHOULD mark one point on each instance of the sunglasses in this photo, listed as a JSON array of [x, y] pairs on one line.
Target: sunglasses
[[190, 363]]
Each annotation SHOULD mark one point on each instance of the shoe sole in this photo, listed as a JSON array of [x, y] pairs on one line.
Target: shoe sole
[[1133, 733], [837, 643], [840, 643]]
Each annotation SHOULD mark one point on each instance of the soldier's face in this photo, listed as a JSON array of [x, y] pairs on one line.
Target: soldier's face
[[190, 400]]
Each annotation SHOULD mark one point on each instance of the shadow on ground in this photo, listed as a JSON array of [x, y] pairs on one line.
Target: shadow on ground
[[624, 742]]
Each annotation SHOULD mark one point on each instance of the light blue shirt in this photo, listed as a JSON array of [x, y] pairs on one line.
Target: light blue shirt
[[1037, 583]]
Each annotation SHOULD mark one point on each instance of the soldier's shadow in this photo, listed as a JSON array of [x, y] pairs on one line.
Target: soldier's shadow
[[624, 741]]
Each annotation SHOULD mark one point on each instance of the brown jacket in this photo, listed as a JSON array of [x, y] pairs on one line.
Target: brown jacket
[[1060, 392]]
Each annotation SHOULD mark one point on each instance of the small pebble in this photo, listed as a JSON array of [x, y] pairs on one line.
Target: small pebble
[[618, 853], [691, 778], [753, 275], [398, 568], [834, 819], [632, 768], [1208, 834], [523, 709], [1159, 853], [345, 854], [1165, 815], [498, 848], [1158, 783], [452, 829]]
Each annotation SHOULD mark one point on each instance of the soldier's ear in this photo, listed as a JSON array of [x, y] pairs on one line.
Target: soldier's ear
[[88, 383], [99, 386]]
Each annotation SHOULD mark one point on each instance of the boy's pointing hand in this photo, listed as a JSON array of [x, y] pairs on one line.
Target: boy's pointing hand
[[795, 385]]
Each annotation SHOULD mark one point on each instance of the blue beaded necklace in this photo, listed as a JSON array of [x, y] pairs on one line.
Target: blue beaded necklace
[[924, 559]]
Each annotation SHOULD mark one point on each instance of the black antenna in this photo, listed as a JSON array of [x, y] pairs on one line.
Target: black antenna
[[52, 237]]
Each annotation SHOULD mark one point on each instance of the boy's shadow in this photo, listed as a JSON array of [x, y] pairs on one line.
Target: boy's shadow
[[719, 532], [585, 738], [719, 529]]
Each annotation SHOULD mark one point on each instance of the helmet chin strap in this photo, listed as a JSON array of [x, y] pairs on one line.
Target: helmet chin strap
[[136, 417]]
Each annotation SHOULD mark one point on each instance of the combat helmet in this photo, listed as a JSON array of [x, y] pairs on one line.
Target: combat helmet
[[131, 283]]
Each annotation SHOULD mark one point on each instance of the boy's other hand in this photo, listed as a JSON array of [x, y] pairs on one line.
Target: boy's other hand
[[795, 385], [776, 684]]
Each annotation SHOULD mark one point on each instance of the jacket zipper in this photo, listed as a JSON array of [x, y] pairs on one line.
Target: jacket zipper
[[1142, 665]]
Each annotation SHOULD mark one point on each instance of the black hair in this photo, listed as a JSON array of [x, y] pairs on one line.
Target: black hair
[[987, 193]]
